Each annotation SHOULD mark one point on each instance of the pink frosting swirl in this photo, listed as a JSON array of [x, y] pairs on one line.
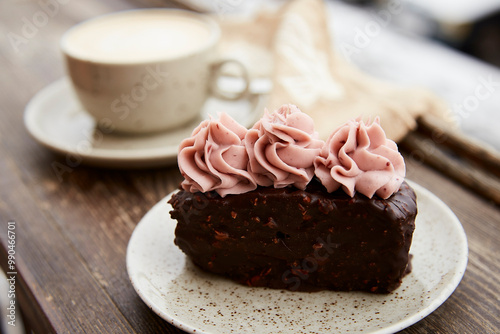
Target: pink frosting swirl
[[215, 158], [282, 147], [360, 158]]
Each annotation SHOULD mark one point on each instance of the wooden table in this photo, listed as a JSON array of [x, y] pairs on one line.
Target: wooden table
[[71, 235]]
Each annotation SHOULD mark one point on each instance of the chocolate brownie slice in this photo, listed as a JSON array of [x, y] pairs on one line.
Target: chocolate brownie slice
[[303, 240]]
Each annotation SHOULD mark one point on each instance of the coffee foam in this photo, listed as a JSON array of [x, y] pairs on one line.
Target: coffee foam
[[138, 36]]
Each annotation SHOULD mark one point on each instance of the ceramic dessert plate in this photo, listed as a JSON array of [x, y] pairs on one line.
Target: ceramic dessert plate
[[55, 119], [199, 302]]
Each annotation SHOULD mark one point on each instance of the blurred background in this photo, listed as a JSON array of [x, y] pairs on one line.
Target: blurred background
[[469, 26], [408, 41]]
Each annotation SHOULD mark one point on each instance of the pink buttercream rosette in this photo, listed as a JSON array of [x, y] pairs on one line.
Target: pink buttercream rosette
[[282, 147], [359, 157], [215, 158]]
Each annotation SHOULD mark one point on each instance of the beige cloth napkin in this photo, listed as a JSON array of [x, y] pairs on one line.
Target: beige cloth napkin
[[293, 47]]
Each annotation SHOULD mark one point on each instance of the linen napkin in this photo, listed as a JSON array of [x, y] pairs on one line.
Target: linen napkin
[[293, 47]]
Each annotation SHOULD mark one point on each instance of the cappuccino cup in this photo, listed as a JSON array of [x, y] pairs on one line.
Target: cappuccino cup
[[148, 70]]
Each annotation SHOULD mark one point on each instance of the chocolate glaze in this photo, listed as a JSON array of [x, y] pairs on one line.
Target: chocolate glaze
[[304, 240]]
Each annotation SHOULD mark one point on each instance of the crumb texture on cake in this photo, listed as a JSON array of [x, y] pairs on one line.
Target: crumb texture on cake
[[301, 240]]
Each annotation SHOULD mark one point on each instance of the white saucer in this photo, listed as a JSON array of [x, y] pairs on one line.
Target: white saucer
[[54, 118], [198, 302]]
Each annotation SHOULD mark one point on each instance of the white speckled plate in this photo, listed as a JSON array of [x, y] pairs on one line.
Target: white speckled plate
[[198, 302], [55, 119]]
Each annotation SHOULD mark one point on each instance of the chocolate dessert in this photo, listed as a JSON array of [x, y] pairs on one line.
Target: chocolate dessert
[[288, 238], [276, 207]]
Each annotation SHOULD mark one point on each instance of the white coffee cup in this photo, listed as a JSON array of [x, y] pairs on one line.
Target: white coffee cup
[[145, 70]]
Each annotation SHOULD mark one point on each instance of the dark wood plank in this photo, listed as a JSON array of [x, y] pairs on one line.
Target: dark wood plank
[[459, 169], [46, 262], [465, 146], [474, 306]]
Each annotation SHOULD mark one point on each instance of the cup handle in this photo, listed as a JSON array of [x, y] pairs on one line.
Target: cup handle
[[216, 73]]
